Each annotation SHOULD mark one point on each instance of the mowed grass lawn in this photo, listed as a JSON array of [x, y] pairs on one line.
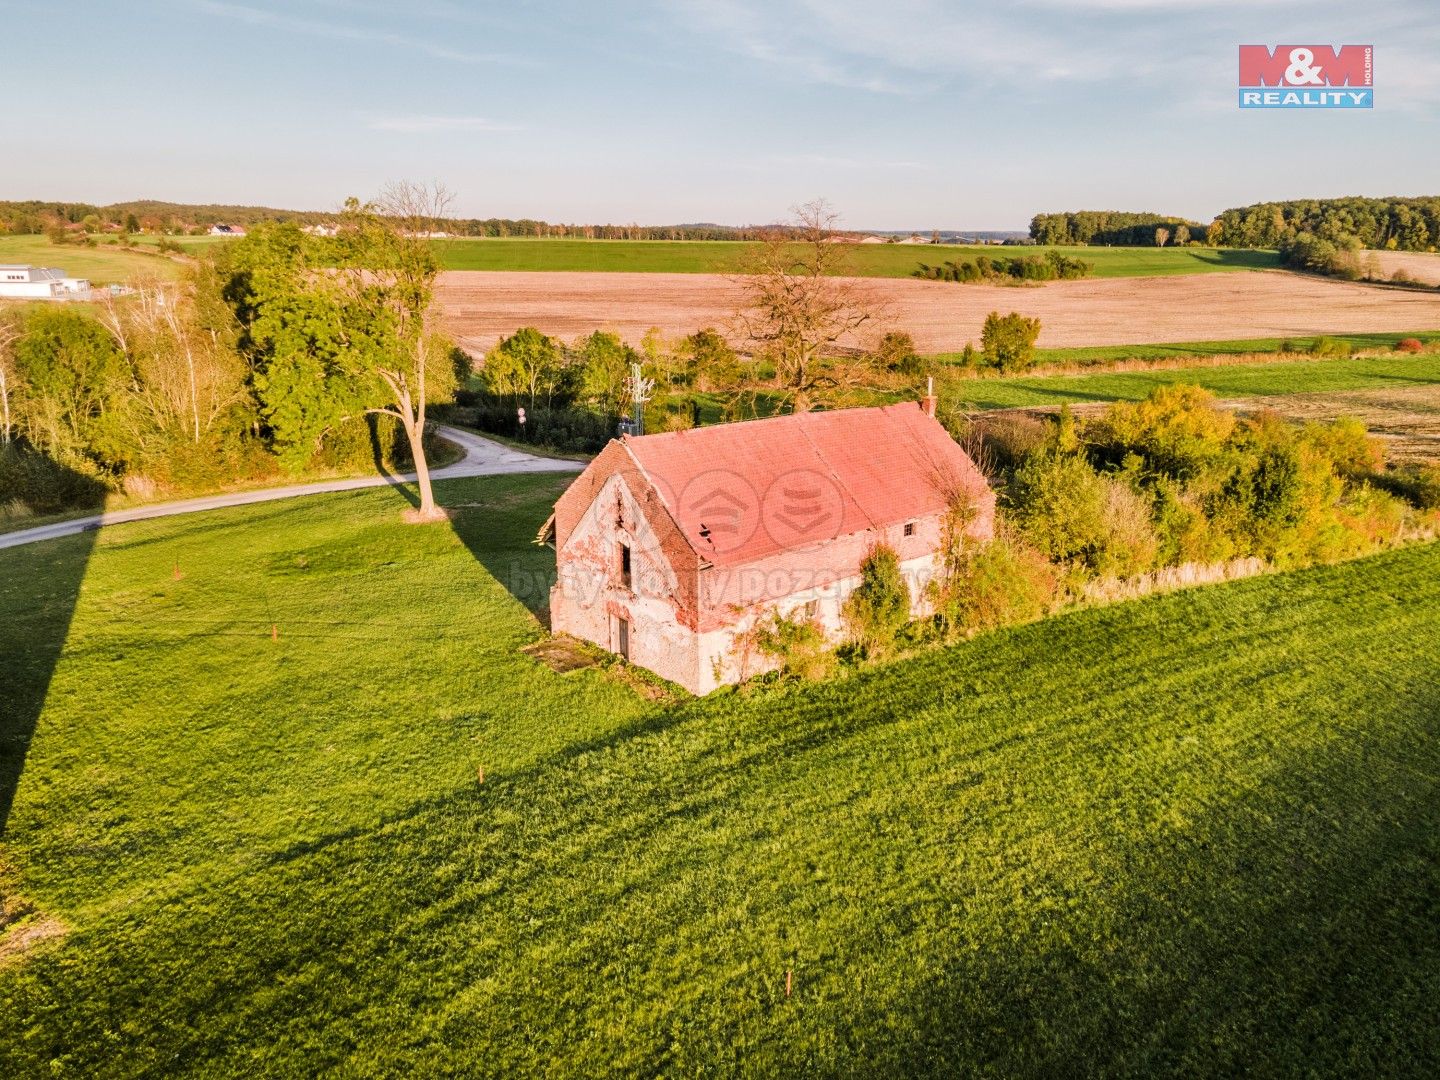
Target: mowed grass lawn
[[869, 260], [102, 264], [1195, 835], [1237, 380]]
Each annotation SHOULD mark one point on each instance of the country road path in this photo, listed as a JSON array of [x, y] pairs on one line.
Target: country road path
[[483, 457]]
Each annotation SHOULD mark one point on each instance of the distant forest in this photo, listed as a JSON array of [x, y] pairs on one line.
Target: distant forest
[[1120, 228], [1395, 223], [179, 219]]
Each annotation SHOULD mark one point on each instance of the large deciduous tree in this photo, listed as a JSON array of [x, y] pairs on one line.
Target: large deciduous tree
[[385, 247], [800, 307], [340, 327]]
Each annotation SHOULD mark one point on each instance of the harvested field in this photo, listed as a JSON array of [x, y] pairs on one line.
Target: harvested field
[[1422, 266], [479, 307]]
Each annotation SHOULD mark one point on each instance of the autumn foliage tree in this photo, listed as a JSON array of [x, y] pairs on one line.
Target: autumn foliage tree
[[800, 307]]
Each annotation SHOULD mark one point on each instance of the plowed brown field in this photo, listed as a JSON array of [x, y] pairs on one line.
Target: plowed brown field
[[1422, 266], [478, 307]]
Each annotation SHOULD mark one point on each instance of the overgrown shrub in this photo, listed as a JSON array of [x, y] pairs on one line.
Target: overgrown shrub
[[1072, 514], [1008, 341], [1177, 430], [797, 645], [997, 442], [992, 584], [1331, 347], [565, 430], [44, 485], [1349, 447], [1409, 345], [896, 352], [880, 604]]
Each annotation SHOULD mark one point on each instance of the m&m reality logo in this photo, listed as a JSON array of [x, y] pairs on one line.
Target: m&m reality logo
[[1307, 77]]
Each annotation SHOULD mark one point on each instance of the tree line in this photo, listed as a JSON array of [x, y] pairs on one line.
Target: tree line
[[179, 219], [1118, 227], [1394, 223]]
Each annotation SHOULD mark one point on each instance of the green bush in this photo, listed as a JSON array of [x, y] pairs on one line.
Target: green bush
[[1008, 341], [896, 352], [798, 645], [43, 484], [1177, 430], [880, 604], [1330, 347], [1072, 514], [991, 585]]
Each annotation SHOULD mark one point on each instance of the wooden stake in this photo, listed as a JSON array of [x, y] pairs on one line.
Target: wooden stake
[[480, 773], [274, 632], [178, 575], [787, 982]]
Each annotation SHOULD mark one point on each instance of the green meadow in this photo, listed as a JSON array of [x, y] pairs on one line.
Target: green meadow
[[1179, 350], [1192, 835], [868, 260], [103, 264], [1394, 371]]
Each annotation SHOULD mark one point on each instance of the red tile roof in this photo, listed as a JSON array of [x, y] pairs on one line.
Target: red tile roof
[[743, 491]]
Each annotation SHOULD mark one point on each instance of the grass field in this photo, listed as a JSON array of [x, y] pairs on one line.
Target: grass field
[[1193, 835], [1175, 350], [1238, 380], [101, 264], [869, 260]]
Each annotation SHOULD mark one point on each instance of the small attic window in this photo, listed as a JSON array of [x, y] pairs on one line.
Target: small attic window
[[625, 576], [909, 528]]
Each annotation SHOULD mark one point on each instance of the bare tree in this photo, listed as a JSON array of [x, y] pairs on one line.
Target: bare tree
[[398, 269], [800, 305], [183, 378], [9, 335]]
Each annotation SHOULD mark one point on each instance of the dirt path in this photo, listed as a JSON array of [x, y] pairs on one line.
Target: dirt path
[[479, 307]]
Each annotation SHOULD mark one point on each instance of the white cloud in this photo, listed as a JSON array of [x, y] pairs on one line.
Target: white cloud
[[256, 16], [422, 124]]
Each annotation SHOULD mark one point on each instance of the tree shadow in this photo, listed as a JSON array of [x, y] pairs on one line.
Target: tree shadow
[[381, 458], [39, 589], [503, 542]]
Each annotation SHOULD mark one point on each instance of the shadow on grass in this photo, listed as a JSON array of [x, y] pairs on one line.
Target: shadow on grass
[[378, 456], [39, 589], [504, 543]]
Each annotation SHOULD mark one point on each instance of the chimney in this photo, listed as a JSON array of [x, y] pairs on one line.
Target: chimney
[[928, 402]]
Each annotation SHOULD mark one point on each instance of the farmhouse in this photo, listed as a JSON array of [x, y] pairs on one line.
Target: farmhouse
[[671, 548], [227, 230], [41, 283]]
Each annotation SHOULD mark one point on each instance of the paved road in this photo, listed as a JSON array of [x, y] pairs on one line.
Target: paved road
[[482, 458]]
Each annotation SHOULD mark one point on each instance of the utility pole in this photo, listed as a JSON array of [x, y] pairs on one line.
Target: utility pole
[[640, 388]]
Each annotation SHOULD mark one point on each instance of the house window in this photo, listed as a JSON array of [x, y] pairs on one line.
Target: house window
[[625, 565], [909, 528]]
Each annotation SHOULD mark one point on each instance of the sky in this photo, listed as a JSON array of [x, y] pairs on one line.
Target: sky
[[902, 113]]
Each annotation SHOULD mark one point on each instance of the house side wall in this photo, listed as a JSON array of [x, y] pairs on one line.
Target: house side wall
[[590, 597]]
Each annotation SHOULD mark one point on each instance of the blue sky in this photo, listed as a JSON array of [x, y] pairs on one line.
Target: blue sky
[[903, 113]]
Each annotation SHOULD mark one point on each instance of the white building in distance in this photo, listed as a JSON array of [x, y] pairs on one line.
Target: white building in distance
[[41, 283]]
